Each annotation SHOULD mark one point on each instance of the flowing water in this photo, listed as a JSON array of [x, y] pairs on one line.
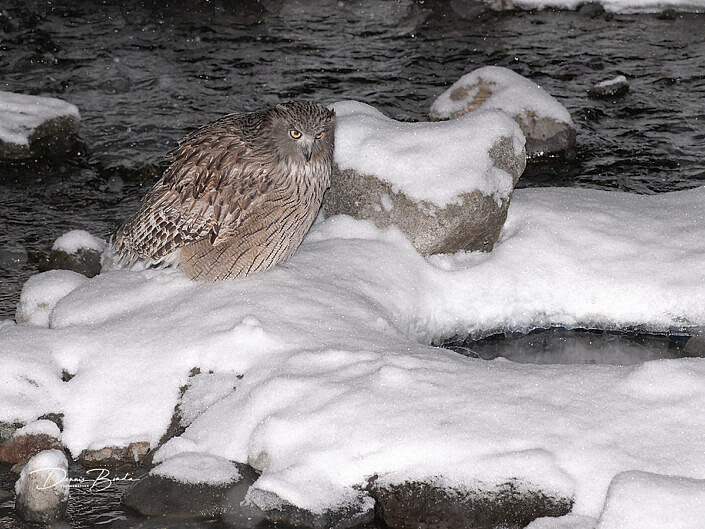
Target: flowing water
[[145, 74]]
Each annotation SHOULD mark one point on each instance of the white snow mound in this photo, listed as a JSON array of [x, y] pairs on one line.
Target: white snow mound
[[40, 427], [189, 467], [41, 292], [428, 161], [21, 114]]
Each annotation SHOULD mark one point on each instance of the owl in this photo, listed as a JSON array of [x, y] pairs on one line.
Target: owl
[[239, 196]]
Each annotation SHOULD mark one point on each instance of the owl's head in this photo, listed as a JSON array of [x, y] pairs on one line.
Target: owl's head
[[303, 132]]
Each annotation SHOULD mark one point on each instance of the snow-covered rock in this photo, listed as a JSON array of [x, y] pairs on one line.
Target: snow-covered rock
[[445, 185], [643, 500], [32, 126], [546, 123], [610, 88], [29, 440], [339, 383], [569, 521], [79, 251], [41, 292], [617, 6], [42, 490]]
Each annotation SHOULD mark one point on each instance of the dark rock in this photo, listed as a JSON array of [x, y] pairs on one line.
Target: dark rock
[[84, 261], [114, 457], [668, 14], [695, 346], [160, 496], [545, 135], [612, 88], [249, 515], [472, 225], [49, 127], [423, 505], [23, 447], [591, 9]]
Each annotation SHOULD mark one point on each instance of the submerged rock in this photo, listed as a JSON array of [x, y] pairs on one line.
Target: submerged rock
[[42, 490], [78, 251], [30, 440], [446, 186], [32, 127], [114, 456], [610, 88], [191, 485], [419, 504], [546, 123]]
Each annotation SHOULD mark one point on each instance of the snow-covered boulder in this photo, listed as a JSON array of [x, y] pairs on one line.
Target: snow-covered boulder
[[79, 251], [191, 485], [610, 88], [41, 293], [546, 123], [42, 490], [643, 500], [29, 440], [445, 185], [32, 126]]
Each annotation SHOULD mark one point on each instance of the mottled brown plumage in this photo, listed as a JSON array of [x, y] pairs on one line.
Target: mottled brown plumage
[[239, 195]]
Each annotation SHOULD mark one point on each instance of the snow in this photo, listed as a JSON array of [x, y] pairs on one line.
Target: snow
[[642, 500], [74, 240], [510, 92], [39, 427], [54, 465], [22, 114], [569, 521], [189, 467], [41, 293], [339, 382], [434, 162], [609, 82], [619, 6]]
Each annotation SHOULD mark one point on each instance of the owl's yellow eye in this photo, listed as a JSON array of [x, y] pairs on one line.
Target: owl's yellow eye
[[319, 135], [294, 134]]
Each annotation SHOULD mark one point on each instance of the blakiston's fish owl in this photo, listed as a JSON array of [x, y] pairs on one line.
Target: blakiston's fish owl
[[239, 195]]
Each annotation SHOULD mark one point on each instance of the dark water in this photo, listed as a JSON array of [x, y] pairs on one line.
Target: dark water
[[144, 74]]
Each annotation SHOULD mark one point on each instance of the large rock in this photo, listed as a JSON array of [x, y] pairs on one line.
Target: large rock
[[116, 457], [191, 485], [446, 185], [419, 504], [32, 126], [42, 490], [546, 123], [30, 440]]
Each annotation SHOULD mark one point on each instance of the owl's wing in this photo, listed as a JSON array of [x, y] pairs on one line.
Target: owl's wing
[[212, 183]]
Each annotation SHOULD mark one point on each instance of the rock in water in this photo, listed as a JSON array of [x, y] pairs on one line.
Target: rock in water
[[546, 123], [43, 489], [30, 440], [32, 126], [610, 88], [445, 185], [79, 251], [115, 456]]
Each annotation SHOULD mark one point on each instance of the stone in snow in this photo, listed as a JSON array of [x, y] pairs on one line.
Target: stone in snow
[[42, 490], [610, 88], [79, 251], [546, 123], [445, 185], [30, 440], [32, 126]]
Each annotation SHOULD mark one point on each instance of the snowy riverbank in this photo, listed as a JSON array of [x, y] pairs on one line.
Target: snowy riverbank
[[334, 342]]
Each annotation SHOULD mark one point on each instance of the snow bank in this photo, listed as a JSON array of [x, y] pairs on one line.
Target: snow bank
[[72, 241], [339, 384], [434, 162], [41, 293], [510, 92], [641, 500], [198, 468], [22, 114], [620, 6]]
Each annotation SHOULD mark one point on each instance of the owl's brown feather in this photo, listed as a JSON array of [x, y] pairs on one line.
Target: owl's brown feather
[[237, 198]]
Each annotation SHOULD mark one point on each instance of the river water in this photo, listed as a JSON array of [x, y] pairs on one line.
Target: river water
[[144, 74]]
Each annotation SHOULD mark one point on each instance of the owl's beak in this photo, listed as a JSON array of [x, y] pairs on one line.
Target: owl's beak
[[308, 150]]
